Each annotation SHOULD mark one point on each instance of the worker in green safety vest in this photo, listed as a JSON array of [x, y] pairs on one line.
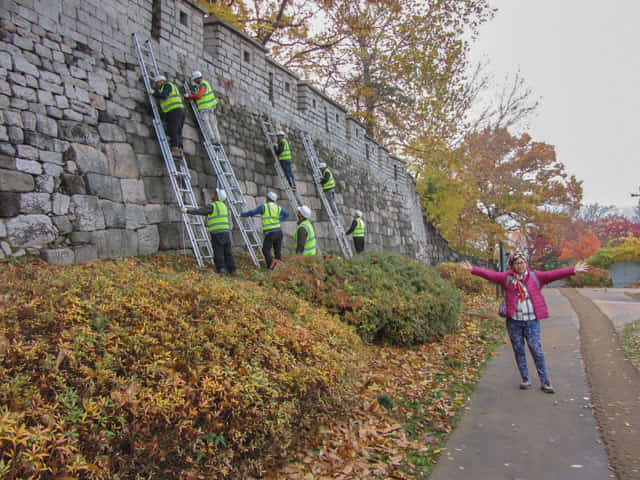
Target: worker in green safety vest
[[305, 237], [357, 228], [329, 186], [283, 150], [173, 110], [206, 103], [219, 226]]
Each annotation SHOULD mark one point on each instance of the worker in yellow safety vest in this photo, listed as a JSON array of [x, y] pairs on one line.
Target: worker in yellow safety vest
[[283, 150], [173, 110], [206, 103], [305, 237], [329, 186], [357, 228], [219, 226]]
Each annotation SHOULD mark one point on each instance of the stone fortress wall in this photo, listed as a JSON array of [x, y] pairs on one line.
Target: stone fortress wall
[[81, 174]]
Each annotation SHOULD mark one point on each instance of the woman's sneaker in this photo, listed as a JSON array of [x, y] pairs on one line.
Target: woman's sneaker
[[525, 385], [547, 388]]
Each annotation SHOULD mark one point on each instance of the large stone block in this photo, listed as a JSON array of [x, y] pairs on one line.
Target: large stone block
[[111, 133], [155, 213], [60, 204], [85, 253], [58, 256], [30, 231], [63, 224], [73, 184], [114, 214], [78, 132], [154, 189], [88, 158], [173, 236], [9, 204], [12, 181], [87, 214], [151, 165], [115, 243], [104, 186], [35, 203], [122, 160], [47, 125], [133, 190], [135, 217], [148, 240]]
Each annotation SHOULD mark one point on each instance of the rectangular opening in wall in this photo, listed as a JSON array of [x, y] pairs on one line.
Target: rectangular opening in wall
[[156, 17], [337, 118], [314, 103], [366, 151], [326, 119], [184, 20], [347, 128], [287, 87], [246, 56], [271, 87], [395, 173]]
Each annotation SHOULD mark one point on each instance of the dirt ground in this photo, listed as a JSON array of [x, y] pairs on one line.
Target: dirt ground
[[615, 386]]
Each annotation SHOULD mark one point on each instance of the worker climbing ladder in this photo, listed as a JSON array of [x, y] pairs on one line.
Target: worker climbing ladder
[[334, 220], [227, 178], [176, 166], [270, 134]]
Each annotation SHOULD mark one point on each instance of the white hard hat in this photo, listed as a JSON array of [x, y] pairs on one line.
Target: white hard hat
[[222, 195], [280, 133], [160, 78], [358, 213], [304, 211], [196, 74], [272, 196], [322, 165]]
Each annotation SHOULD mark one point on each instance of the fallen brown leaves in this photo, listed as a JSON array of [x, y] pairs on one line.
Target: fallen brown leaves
[[408, 401]]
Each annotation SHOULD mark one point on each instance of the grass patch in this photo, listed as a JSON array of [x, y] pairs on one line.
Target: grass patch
[[631, 342]]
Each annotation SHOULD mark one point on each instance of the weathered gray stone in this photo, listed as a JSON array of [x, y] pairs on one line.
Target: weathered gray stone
[[87, 215], [45, 183], [133, 190], [46, 97], [111, 133], [7, 162], [28, 152], [98, 102], [6, 249], [58, 256], [73, 184], [98, 83], [54, 112], [148, 240], [12, 181], [115, 243], [14, 135], [23, 93], [29, 120], [78, 238], [78, 133], [151, 165], [122, 160], [21, 64], [155, 213], [5, 61], [3, 229], [9, 204], [104, 186], [35, 203], [63, 224], [114, 214], [154, 189], [62, 101], [85, 253], [71, 115], [117, 110], [30, 231], [135, 217], [172, 236], [13, 118], [47, 125], [4, 134], [88, 159], [51, 157], [60, 204], [28, 166]]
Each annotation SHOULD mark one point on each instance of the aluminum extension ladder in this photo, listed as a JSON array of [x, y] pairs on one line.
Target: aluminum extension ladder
[[334, 220], [176, 166], [270, 134], [227, 178]]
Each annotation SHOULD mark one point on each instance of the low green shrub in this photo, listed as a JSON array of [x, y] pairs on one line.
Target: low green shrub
[[461, 278], [595, 277], [387, 298]]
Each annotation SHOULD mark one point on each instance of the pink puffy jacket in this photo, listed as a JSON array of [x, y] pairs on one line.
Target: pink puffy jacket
[[537, 300]]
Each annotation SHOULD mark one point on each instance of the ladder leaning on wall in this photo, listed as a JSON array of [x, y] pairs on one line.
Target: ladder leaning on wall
[[176, 166], [270, 134], [227, 178], [334, 220]]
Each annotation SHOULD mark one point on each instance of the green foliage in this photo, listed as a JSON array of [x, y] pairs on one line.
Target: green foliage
[[595, 277], [140, 368], [631, 343], [461, 278], [627, 248], [387, 298]]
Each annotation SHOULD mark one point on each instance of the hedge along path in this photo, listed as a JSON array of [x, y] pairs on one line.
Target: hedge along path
[[615, 386]]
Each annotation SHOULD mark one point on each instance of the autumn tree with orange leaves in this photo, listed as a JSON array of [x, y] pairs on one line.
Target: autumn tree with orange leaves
[[580, 249]]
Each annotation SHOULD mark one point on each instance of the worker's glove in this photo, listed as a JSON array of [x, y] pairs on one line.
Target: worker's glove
[[183, 209]]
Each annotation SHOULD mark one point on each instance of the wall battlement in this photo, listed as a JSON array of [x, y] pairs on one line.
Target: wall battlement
[[81, 175]]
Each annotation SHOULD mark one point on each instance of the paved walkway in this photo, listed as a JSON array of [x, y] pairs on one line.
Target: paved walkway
[[513, 434], [615, 304]]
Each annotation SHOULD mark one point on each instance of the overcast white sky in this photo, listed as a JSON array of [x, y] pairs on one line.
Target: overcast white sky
[[582, 58]]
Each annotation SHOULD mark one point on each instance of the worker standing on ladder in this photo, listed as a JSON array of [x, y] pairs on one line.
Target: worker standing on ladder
[[206, 103], [329, 187], [272, 215], [305, 237], [283, 150], [357, 228], [219, 226], [173, 111]]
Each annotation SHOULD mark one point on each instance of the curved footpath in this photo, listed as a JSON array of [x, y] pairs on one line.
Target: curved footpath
[[508, 433]]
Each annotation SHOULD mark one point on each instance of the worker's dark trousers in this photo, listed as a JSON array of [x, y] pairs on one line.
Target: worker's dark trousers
[[175, 122], [286, 167], [222, 255], [358, 242], [272, 240]]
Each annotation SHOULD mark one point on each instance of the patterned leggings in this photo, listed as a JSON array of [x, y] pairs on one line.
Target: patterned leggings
[[529, 330]]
